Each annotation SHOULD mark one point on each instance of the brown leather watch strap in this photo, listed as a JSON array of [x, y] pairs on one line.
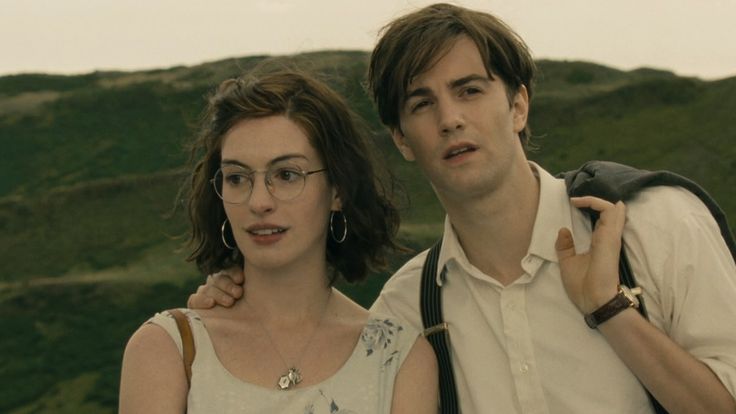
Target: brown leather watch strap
[[187, 342], [608, 311], [624, 299]]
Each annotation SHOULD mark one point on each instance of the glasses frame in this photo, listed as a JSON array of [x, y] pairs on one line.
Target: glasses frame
[[266, 181]]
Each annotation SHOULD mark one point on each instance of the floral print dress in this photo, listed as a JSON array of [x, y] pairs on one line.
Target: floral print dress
[[364, 384]]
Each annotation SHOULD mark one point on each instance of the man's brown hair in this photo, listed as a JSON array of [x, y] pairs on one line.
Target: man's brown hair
[[413, 43]]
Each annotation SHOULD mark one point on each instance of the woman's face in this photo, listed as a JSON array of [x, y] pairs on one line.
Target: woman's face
[[275, 225]]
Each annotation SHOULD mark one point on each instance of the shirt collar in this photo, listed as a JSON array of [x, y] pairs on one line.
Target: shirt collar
[[553, 213], [451, 250]]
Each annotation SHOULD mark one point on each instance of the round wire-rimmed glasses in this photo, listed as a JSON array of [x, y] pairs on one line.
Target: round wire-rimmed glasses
[[234, 184]]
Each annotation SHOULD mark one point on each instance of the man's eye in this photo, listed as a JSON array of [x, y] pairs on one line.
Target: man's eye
[[419, 105], [471, 91]]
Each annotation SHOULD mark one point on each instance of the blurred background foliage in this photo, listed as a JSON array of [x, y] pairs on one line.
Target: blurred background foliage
[[92, 244]]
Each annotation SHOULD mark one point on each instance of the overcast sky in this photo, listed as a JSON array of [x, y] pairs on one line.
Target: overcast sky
[[689, 37]]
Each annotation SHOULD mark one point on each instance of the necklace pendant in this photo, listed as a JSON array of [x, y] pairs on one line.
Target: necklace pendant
[[290, 379]]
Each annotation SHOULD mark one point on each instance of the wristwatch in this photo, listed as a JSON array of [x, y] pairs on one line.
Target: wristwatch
[[624, 299]]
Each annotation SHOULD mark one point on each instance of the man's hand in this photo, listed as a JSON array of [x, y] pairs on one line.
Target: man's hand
[[591, 278], [222, 288]]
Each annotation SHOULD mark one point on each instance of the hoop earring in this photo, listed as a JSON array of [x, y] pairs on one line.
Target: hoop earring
[[222, 232], [344, 227]]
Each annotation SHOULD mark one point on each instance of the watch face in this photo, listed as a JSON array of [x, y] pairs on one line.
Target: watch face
[[631, 295]]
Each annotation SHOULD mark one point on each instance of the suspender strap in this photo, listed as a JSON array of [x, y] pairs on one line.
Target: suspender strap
[[435, 329], [187, 342], [626, 278]]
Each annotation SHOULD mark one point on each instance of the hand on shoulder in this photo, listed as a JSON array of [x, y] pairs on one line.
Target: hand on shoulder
[[223, 288]]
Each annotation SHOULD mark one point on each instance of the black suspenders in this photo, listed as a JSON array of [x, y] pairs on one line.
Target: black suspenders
[[435, 329]]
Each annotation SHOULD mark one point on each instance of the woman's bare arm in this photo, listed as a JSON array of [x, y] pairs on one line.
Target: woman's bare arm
[[153, 378]]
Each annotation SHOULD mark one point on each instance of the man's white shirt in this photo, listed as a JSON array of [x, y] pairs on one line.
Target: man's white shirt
[[524, 348]]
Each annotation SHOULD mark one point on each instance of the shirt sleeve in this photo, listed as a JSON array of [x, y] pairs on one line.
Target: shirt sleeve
[[680, 259], [399, 297]]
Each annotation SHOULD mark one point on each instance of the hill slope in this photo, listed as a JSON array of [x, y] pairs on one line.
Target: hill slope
[[90, 166]]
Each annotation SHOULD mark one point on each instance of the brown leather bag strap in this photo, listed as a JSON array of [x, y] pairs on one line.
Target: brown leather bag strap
[[187, 341]]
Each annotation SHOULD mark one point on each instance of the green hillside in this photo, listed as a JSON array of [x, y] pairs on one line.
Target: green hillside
[[92, 244]]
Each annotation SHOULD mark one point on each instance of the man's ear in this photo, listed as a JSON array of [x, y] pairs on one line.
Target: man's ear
[[520, 107], [400, 142]]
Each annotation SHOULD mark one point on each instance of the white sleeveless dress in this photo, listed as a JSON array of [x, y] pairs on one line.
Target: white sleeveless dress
[[364, 384]]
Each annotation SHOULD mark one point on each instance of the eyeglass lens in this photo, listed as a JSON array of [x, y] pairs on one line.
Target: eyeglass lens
[[234, 184]]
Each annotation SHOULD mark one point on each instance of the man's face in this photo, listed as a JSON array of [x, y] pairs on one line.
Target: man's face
[[459, 125]]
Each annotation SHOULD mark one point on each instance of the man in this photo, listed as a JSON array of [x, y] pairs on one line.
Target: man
[[453, 85]]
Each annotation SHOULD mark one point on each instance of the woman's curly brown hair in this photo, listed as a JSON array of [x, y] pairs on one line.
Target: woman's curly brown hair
[[338, 136]]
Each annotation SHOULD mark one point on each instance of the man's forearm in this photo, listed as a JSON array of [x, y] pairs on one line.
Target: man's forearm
[[679, 381]]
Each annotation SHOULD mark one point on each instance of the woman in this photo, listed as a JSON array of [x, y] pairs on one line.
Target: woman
[[285, 190]]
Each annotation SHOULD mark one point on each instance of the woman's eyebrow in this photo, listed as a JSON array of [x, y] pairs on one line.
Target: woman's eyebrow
[[287, 157], [281, 158]]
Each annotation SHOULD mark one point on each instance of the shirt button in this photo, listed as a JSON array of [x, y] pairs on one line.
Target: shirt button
[[524, 368]]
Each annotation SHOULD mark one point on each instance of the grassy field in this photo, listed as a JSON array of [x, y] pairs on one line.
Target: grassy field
[[92, 244]]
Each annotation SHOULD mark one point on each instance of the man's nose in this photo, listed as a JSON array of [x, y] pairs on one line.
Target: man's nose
[[450, 116]]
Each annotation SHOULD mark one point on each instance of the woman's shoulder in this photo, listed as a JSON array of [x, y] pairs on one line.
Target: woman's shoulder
[[152, 340], [151, 374], [376, 329], [164, 325], [152, 336], [168, 316]]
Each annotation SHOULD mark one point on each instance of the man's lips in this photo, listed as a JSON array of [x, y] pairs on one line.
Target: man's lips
[[456, 150]]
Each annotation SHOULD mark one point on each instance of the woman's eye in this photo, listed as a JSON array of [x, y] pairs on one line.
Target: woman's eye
[[236, 179], [287, 175]]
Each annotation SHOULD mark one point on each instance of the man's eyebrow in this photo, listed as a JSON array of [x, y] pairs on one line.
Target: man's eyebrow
[[417, 93], [423, 91], [467, 79], [281, 158]]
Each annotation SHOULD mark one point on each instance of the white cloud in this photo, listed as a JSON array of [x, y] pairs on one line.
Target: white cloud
[[274, 6]]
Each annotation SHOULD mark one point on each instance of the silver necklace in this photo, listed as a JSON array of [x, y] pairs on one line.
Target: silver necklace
[[293, 375]]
